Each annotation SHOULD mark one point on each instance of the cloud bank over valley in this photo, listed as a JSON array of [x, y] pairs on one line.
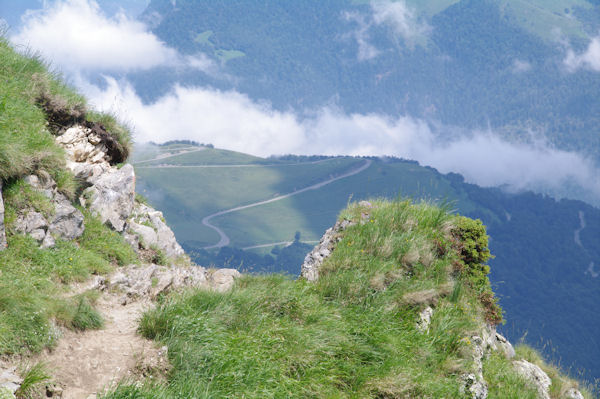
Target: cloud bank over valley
[[232, 120]]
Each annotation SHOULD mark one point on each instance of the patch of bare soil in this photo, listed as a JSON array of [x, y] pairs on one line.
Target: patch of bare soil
[[86, 363]]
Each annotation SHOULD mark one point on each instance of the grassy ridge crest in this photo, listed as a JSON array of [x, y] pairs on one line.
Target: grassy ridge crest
[[353, 333]]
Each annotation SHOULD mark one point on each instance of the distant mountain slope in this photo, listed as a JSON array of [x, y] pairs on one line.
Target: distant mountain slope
[[539, 261], [468, 63]]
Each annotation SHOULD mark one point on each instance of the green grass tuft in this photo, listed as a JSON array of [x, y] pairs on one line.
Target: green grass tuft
[[86, 317], [105, 242], [33, 377]]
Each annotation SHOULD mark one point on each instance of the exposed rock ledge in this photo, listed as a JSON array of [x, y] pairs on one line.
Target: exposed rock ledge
[[66, 222], [109, 194]]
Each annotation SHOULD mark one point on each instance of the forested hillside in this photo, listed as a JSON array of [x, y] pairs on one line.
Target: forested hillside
[[471, 63]]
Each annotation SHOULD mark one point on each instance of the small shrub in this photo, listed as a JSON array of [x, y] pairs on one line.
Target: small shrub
[[471, 243]]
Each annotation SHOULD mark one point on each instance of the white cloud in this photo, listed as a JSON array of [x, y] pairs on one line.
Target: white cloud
[[520, 66], [231, 120], [401, 19], [366, 50], [226, 119], [77, 36], [590, 59]]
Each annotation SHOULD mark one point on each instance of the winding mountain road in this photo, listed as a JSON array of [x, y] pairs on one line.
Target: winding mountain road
[[224, 239]]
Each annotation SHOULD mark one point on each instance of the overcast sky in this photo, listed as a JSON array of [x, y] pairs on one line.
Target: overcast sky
[[82, 39]]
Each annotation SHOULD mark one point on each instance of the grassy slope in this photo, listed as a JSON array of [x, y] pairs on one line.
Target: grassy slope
[[33, 282], [186, 195], [313, 212], [207, 156], [350, 335]]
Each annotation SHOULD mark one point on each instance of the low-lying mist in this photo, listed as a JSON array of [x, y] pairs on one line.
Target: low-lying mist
[[232, 120]]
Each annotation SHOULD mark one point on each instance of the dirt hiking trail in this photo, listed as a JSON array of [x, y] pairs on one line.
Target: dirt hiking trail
[[86, 363]]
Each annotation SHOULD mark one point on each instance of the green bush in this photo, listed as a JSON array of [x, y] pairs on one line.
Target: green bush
[[472, 246]]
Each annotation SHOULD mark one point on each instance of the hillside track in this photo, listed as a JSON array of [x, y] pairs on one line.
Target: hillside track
[[240, 165], [224, 239], [170, 155]]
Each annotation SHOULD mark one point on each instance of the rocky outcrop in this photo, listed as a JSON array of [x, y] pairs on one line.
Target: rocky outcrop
[[474, 383], [150, 280], [2, 231], [111, 192], [573, 393], [479, 346], [535, 376], [83, 145], [221, 280], [425, 319], [314, 259], [475, 387], [65, 222], [111, 196], [150, 227]]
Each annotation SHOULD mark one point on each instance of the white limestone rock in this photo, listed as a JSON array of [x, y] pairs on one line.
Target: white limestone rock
[[535, 376], [314, 259], [573, 393], [147, 234], [474, 387], [82, 145], [425, 319], [504, 346], [497, 342], [222, 280], [32, 223], [9, 380], [112, 196], [149, 225], [67, 222], [149, 281]]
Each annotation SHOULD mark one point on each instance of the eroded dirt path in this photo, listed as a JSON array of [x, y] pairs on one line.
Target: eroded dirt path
[[86, 363]]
